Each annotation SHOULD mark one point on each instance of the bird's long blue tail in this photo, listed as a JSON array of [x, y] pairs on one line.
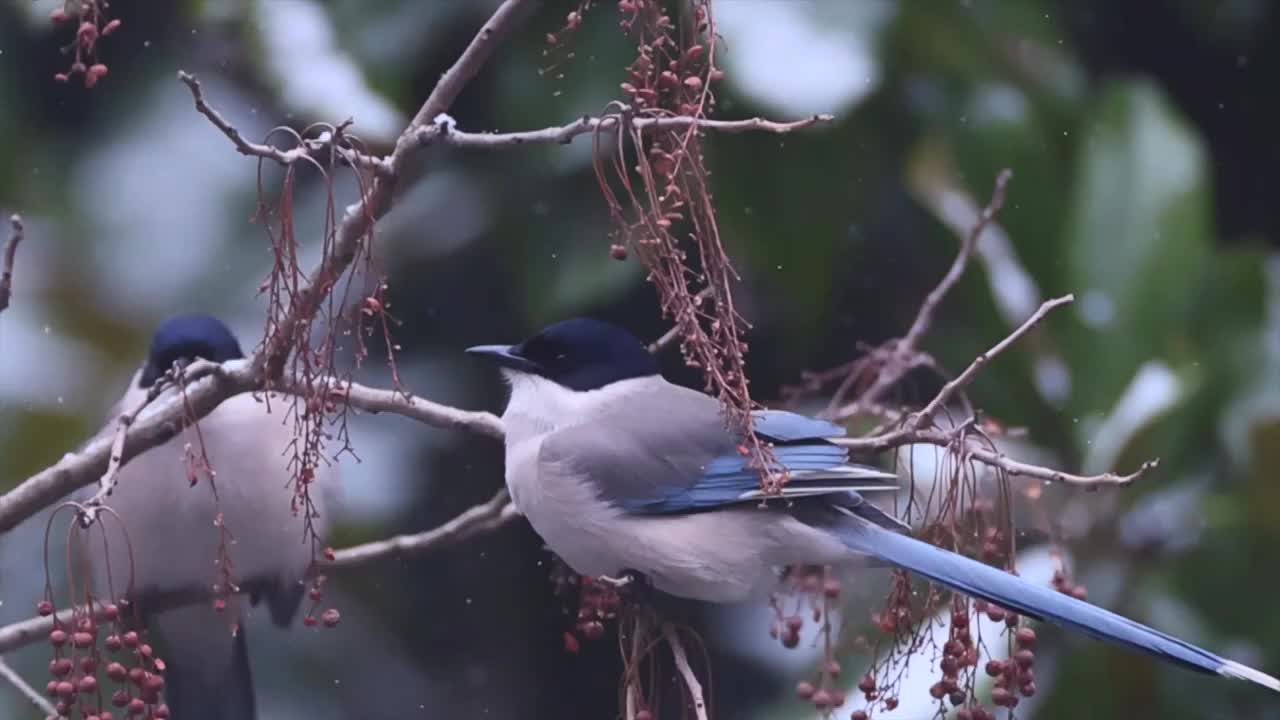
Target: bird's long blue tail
[[1009, 591]]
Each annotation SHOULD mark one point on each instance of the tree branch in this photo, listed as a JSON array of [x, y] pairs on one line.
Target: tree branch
[[13, 678], [697, 697], [10, 254], [376, 400], [948, 391], [162, 421], [897, 357], [266, 365], [443, 132], [494, 513], [916, 429]]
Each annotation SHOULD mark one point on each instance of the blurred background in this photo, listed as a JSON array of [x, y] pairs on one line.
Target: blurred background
[[1141, 136]]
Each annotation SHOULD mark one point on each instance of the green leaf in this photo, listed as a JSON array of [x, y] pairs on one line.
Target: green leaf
[[1138, 239]]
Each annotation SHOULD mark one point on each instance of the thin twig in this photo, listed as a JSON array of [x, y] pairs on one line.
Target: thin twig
[[686, 671], [307, 148], [10, 254], [900, 356], [924, 318], [673, 334], [444, 133], [926, 415], [494, 513], [917, 430], [13, 678]]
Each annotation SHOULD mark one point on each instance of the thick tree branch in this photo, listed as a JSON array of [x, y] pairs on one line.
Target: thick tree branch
[[164, 419], [161, 421], [10, 255]]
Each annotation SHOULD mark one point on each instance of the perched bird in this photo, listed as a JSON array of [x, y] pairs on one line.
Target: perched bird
[[173, 537], [623, 473]]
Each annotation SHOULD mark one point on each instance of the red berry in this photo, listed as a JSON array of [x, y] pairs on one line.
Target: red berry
[[45, 608], [805, 689], [1026, 638], [58, 638]]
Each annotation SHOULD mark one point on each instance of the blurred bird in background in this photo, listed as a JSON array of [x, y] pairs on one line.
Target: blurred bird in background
[[171, 514]]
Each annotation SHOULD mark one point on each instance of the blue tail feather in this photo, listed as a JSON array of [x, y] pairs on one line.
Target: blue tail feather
[[983, 581]]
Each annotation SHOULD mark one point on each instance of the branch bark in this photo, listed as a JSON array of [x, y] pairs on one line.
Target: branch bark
[[16, 233]]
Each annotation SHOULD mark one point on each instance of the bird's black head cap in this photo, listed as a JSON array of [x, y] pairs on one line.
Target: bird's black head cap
[[579, 353], [183, 338]]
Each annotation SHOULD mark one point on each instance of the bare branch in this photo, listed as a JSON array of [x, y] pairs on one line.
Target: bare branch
[[284, 157], [307, 148], [78, 469], [468, 64], [950, 438], [902, 355], [13, 678], [376, 400], [442, 133], [89, 463], [916, 429], [10, 254], [673, 334], [494, 513], [686, 671], [948, 391], [924, 318]]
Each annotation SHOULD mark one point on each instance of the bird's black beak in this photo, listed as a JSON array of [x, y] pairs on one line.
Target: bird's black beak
[[507, 356]]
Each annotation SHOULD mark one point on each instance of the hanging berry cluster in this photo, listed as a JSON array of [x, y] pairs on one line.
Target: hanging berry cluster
[[91, 24]]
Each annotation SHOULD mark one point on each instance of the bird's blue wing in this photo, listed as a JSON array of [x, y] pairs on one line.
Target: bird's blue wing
[[687, 461]]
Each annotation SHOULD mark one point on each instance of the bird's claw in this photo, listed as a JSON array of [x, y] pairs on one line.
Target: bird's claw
[[631, 585]]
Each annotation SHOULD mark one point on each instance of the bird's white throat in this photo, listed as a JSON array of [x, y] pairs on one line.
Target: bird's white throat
[[539, 405]]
